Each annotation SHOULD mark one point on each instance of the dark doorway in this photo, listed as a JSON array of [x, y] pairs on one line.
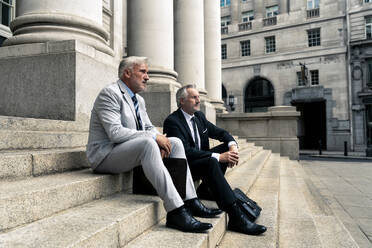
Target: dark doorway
[[312, 125], [259, 95]]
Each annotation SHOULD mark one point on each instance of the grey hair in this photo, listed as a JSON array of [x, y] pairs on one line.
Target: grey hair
[[182, 93], [130, 62]]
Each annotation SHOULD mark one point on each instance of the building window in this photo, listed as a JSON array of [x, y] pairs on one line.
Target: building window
[[369, 73], [368, 1], [272, 11], [225, 3], [313, 37], [300, 81], [369, 27], [7, 11], [244, 1], [6, 16], [108, 19], [312, 4], [245, 47], [270, 44], [223, 51], [314, 77], [226, 20], [247, 16]]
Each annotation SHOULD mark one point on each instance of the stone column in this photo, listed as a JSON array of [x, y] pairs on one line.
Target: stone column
[[189, 42], [40, 21], [212, 46], [189, 49], [150, 34]]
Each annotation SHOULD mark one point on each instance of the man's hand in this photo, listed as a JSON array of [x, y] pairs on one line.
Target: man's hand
[[163, 153], [164, 145], [233, 149], [230, 157]]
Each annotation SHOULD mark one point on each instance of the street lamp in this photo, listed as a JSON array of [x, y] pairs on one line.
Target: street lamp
[[231, 102]]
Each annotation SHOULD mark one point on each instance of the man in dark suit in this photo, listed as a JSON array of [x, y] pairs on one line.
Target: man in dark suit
[[190, 125]]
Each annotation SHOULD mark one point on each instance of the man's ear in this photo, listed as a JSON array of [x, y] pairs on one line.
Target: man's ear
[[127, 73]]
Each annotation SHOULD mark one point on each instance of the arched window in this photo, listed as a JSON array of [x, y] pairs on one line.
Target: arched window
[[259, 95]]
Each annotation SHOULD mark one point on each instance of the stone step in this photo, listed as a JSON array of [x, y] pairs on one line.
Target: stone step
[[13, 139], [265, 192], [25, 163], [296, 225], [160, 236], [35, 198], [34, 124], [331, 230], [109, 222], [31, 199]]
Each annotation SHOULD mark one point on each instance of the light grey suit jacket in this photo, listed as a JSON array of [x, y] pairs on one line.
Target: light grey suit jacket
[[113, 120]]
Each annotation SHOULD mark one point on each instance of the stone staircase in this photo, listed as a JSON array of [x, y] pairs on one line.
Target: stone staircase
[[50, 198]]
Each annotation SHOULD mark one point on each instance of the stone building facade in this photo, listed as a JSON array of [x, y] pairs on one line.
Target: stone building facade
[[360, 43], [286, 52], [68, 50]]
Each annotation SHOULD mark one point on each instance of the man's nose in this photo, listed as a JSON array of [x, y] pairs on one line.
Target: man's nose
[[146, 77]]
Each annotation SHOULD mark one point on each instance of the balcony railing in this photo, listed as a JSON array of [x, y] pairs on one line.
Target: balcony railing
[[313, 13], [245, 26], [270, 21], [224, 30]]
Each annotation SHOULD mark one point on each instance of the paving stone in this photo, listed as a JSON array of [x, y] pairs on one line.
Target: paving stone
[[359, 212]]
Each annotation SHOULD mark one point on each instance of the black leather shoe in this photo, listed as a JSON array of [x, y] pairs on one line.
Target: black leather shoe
[[239, 222], [198, 209], [182, 220]]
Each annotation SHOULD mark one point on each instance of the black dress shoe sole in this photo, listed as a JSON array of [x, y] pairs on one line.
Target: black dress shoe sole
[[236, 229], [189, 231]]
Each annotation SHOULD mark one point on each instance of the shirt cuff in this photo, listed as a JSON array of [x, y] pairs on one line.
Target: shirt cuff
[[216, 156], [232, 143]]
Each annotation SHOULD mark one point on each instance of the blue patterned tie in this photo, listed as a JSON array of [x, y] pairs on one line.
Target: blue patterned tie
[[135, 102]]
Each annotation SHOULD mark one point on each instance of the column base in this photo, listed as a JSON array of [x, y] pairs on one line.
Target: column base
[[53, 80], [219, 106], [208, 109]]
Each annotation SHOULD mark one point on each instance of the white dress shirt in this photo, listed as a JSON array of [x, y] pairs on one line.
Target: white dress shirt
[[189, 123]]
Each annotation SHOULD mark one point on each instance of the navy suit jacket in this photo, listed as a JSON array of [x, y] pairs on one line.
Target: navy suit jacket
[[176, 126]]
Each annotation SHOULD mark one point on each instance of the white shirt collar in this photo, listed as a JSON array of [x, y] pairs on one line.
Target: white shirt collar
[[187, 116]]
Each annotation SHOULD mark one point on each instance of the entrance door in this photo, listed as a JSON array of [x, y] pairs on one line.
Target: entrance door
[[312, 124]]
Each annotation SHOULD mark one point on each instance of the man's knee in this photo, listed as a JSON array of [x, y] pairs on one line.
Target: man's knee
[[149, 144], [175, 141]]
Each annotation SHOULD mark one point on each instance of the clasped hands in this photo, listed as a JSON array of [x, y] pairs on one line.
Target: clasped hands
[[231, 156]]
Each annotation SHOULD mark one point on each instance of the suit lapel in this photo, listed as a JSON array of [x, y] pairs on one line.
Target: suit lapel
[[184, 123], [200, 129], [128, 99]]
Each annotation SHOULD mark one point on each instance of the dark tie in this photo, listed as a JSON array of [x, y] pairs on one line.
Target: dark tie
[[195, 133], [135, 102]]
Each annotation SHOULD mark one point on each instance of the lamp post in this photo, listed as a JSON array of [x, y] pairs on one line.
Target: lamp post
[[231, 102]]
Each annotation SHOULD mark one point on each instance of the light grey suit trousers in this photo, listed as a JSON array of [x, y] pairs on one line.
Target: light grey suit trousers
[[115, 146]]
